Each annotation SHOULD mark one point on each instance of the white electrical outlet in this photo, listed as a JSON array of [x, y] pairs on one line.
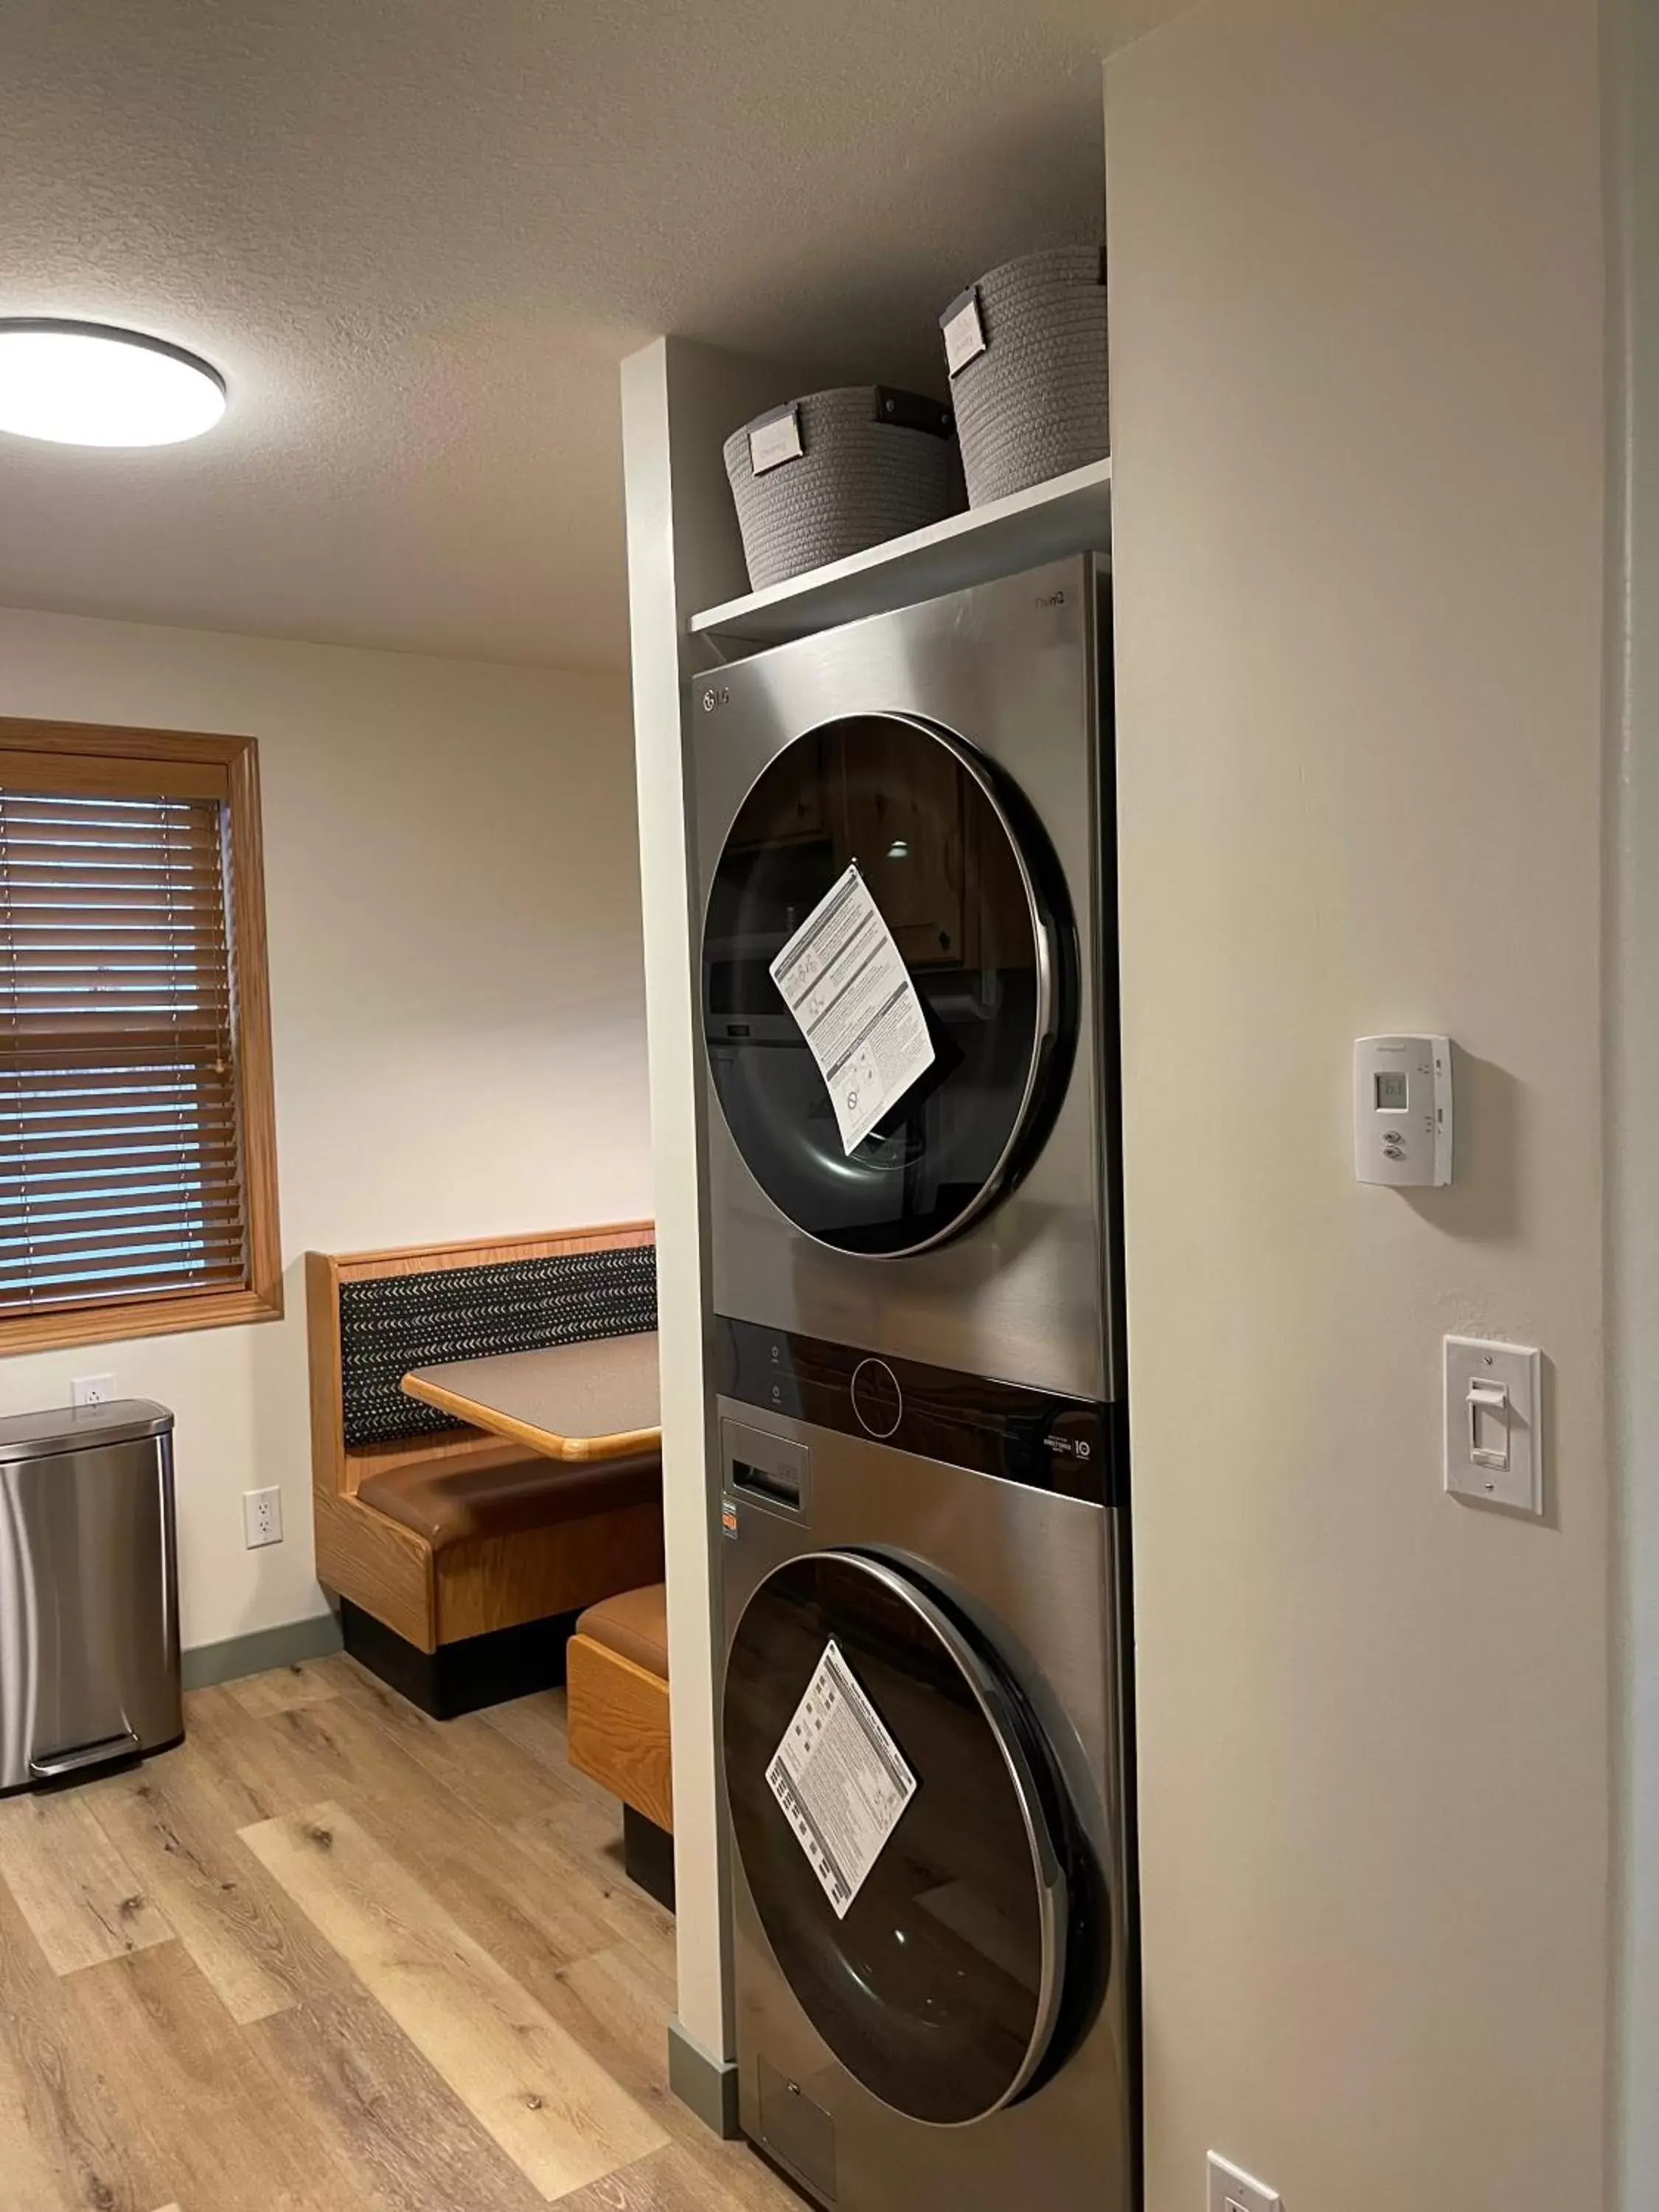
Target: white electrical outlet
[[262, 1517], [1232, 2190], [92, 1390]]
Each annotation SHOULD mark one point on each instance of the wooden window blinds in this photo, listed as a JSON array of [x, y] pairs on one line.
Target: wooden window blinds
[[136, 1168]]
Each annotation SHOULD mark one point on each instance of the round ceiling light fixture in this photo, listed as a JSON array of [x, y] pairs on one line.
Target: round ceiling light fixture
[[89, 384]]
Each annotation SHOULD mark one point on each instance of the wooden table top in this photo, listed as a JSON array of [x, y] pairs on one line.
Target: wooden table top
[[572, 1401]]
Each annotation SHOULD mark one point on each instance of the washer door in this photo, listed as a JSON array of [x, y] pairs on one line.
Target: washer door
[[943, 1990], [970, 888]]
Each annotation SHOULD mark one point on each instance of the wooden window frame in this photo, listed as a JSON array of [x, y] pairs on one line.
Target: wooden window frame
[[112, 1320]]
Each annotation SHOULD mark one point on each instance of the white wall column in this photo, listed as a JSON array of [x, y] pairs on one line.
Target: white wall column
[[1358, 384], [679, 401]]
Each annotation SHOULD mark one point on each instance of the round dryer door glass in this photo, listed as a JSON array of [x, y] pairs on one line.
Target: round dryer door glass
[[941, 1984], [967, 886]]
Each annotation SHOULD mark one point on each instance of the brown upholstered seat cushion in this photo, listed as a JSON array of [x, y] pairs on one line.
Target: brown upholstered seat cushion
[[458, 1504], [634, 1623]]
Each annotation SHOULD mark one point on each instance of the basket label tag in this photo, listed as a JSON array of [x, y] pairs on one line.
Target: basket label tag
[[845, 981], [775, 439], [840, 1780], [964, 331]]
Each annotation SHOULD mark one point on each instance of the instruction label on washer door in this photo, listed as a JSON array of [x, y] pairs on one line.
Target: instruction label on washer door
[[845, 981], [840, 1780]]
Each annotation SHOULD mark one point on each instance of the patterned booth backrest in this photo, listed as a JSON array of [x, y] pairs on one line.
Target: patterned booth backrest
[[396, 1322]]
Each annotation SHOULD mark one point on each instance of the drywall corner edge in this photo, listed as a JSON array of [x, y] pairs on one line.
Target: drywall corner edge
[[654, 624], [679, 399], [1630, 60]]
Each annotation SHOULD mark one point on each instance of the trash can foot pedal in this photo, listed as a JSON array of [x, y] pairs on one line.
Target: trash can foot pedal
[[59, 1765]]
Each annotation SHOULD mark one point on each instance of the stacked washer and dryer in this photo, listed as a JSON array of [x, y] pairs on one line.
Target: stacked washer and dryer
[[922, 1478]]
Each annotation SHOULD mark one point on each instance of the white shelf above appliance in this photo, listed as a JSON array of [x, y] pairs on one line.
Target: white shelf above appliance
[[1068, 514]]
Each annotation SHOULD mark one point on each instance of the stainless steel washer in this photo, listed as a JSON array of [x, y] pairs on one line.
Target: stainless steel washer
[[962, 2031]]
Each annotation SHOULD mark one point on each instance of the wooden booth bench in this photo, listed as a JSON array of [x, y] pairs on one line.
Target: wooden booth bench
[[459, 1557]]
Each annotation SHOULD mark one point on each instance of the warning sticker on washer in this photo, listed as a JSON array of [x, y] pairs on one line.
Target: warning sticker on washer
[[840, 1780], [845, 981]]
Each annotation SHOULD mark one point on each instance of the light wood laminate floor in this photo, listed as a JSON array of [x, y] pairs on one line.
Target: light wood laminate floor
[[331, 1954]]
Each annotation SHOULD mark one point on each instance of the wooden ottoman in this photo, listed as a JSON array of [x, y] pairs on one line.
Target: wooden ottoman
[[616, 1684]]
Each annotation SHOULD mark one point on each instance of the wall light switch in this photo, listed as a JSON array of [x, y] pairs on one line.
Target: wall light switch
[[1494, 1438], [1232, 2190]]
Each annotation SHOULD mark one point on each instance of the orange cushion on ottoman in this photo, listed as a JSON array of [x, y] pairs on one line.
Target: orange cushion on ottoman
[[634, 1623]]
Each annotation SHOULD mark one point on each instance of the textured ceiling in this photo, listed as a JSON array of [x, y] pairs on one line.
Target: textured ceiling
[[418, 235]]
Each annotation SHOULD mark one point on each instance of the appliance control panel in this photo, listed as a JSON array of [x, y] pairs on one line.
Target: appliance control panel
[[1067, 1445], [1402, 1110]]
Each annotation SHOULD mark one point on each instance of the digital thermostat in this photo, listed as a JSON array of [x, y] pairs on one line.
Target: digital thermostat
[[1402, 1109]]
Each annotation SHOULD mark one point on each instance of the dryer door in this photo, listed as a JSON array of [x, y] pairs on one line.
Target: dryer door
[[968, 886], [948, 1987]]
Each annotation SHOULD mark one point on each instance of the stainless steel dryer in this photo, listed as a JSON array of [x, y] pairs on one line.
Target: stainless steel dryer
[[960, 2029], [955, 750]]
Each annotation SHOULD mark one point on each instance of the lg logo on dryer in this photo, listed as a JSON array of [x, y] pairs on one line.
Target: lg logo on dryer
[[713, 698]]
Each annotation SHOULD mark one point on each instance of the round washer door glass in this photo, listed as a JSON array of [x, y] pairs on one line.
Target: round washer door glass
[[967, 884], [941, 1987]]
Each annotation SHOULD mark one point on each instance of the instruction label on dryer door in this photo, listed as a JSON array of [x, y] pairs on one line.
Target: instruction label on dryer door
[[840, 1780], [845, 981]]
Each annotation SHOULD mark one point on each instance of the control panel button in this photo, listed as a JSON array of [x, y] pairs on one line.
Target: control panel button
[[877, 1399]]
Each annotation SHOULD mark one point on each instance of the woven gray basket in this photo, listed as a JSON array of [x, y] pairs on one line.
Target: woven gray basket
[[1032, 403], [836, 471]]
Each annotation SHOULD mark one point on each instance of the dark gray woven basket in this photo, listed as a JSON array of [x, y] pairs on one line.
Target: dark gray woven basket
[[872, 464], [1035, 403]]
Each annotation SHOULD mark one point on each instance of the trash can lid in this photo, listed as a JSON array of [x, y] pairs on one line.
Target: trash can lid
[[81, 1428]]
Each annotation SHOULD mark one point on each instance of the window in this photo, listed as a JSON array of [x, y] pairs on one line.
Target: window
[[137, 1148]]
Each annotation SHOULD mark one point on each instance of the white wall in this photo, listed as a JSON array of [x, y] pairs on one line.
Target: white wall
[[1358, 421], [1631, 80], [457, 1002]]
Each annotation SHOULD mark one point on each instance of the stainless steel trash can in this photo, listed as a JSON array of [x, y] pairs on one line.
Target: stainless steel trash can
[[88, 1591]]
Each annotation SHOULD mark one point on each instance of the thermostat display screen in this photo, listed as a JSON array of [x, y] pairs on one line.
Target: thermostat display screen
[[1392, 1092]]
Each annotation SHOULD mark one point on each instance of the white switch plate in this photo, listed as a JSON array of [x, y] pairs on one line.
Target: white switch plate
[[92, 1390], [1494, 1423], [262, 1517], [1232, 2190]]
